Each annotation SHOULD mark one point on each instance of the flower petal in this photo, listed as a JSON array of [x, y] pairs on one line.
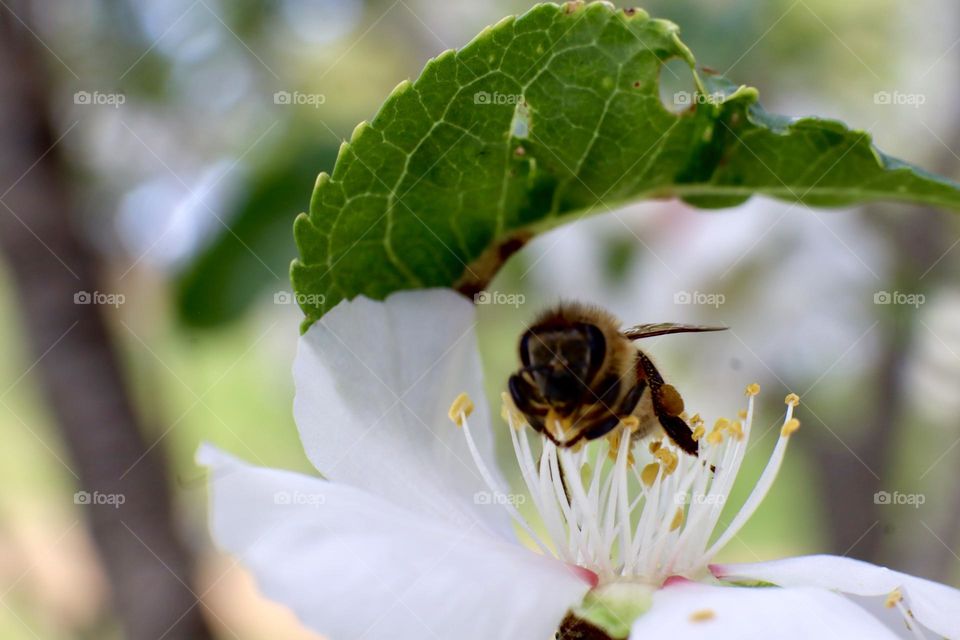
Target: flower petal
[[934, 605], [374, 383], [353, 565], [689, 610]]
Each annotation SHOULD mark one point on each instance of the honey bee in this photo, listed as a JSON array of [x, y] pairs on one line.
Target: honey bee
[[582, 376]]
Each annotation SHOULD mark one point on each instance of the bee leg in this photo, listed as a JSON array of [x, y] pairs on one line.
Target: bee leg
[[667, 405]]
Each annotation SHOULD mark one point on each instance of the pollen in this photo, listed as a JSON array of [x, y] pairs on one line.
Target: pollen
[[715, 437], [461, 408], [677, 519], [790, 427], [792, 399], [649, 473], [893, 598], [702, 615], [655, 445], [753, 389], [631, 422], [698, 433], [736, 430], [742, 414], [667, 459]]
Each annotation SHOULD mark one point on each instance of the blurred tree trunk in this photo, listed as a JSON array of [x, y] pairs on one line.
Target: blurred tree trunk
[[147, 565], [857, 525]]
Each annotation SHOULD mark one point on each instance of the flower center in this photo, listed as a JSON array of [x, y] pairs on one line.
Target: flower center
[[633, 509]]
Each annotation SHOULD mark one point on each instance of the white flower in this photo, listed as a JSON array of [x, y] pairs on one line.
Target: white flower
[[409, 536]]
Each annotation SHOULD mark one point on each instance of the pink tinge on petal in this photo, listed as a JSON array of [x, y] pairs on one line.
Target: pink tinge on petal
[[585, 574], [675, 581], [718, 570]]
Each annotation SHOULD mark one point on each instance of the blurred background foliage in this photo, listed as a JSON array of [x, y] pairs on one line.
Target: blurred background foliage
[[189, 189]]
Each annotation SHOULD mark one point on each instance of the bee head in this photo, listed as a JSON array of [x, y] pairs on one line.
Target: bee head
[[563, 360]]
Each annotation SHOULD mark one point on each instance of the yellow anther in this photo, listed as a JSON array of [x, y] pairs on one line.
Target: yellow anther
[[698, 433], [792, 399], [631, 422], [683, 416], [655, 445], [677, 519], [715, 437], [742, 414], [696, 419], [702, 615], [668, 459], [461, 408], [649, 473], [736, 430], [791, 426], [753, 389], [893, 598], [510, 413], [721, 424]]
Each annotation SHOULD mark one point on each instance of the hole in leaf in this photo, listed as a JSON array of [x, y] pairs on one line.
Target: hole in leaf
[[520, 126], [677, 89]]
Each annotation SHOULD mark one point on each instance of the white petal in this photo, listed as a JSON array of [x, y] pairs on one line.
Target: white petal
[[934, 605], [374, 383], [690, 610], [352, 565]]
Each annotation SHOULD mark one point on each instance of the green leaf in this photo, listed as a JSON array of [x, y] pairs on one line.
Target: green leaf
[[252, 249], [550, 115]]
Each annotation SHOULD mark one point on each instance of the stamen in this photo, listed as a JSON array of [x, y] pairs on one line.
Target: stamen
[[465, 407], [617, 519], [649, 473], [893, 598], [790, 427], [462, 406]]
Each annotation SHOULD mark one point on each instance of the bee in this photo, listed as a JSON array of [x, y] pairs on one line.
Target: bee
[[582, 376]]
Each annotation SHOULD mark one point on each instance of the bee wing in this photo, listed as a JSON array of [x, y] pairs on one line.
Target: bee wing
[[640, 331]]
